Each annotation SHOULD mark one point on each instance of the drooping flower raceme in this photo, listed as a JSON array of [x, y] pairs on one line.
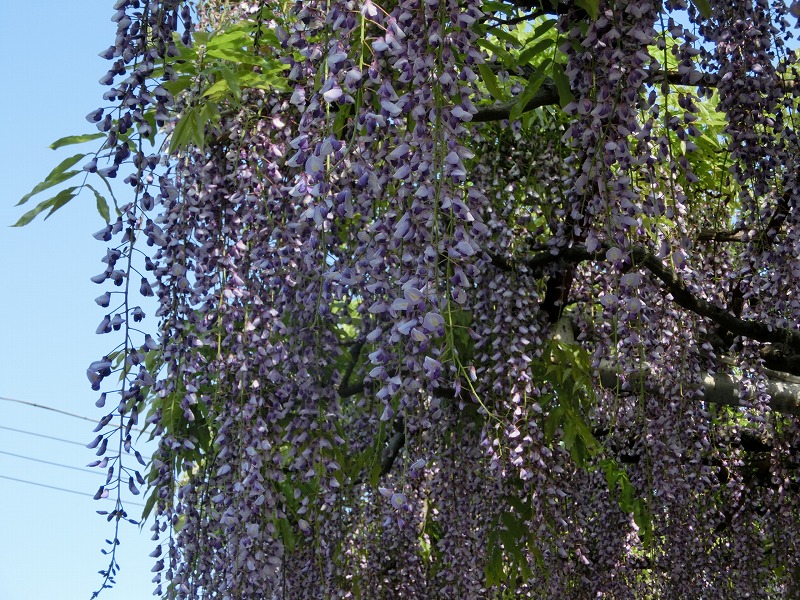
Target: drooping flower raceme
[[450, 307]]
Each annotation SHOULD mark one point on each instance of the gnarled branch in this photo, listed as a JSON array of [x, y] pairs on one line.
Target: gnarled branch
[[681, 294], [546, 95]]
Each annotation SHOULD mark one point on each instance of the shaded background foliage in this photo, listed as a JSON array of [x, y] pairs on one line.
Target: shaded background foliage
[[456, 299]]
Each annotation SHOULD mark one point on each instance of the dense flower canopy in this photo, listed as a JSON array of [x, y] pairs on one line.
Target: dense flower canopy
[[456, 299]]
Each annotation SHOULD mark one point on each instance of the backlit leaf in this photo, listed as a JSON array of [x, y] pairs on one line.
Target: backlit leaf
[[53, 204], [75, 139]]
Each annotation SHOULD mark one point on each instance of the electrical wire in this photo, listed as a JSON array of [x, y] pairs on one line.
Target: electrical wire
[[55, 464], [55, 410], [51, 437], [44, 407], [60, 489], [41, 435]]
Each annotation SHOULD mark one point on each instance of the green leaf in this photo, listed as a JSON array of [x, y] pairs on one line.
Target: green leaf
[[553, 422], [61, 199], [267, 80], [218, 91], [534, 83], [53, 204], [492, 6], [268, 39], [234, 38], [562, 85], [232, 81], [235, 55], [494, 566], [102, 204], [200, 38], [176, 86], [180, 523], [62, 177], [339, 123], [287, 535], [490, 80], [111, 192], [703, 7], [535, 50], [570, 432], [149, 504], [543, 28], [75, 139], [199, 124], [150, 117], [590, 6], [502, 34], [644, 520], [185, 131], [56, 176], [497, 51]]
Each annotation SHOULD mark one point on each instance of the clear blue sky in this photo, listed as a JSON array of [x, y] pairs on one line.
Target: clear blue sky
[[50, 540]]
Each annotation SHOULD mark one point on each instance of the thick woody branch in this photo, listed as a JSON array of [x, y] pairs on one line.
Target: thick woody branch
[[719, 388], [681, 295], [392, 450], [547, 95], [755, 330], [708, 235]]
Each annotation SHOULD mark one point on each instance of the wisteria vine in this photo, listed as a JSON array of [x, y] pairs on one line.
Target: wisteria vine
[[454, 299]]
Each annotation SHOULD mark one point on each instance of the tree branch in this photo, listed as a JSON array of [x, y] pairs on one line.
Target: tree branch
[[547, 95], [756, 330], [720, 388], [344, 387], [515, 20], [390, 453], [681, 295], [710, 235]]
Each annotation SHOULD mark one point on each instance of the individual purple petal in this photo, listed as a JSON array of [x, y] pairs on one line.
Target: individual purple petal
[[333, 94], [461, 114], [433, 322], [433, 367], [398, 500], [613, 254], [91, 166], [103, 422], [95, 115], [104, 234], [391, 108], [150, 343], [103, 300], [105, 325], [388, 413], [145, 289]]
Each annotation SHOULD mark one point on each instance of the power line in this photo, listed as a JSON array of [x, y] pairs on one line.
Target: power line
[[55, 464], [56, 410], [50, 437], [50, 408], [60, 489], [41, 435], [57, 439]]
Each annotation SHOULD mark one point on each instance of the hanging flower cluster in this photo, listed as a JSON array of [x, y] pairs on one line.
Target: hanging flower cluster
[[453, 307]]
